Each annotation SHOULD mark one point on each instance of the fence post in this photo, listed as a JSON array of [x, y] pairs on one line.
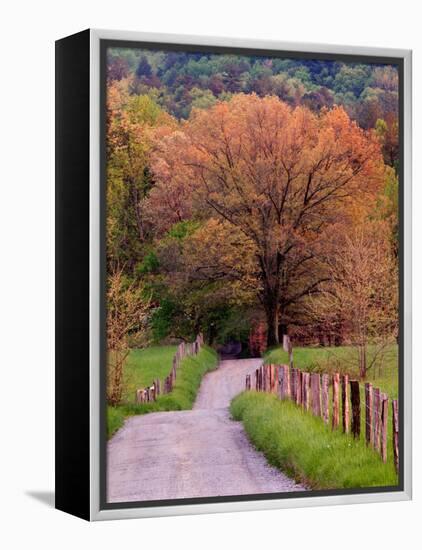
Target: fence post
[[272, 378], [275, 378], [377, 418], [316, 393], [345, 402], [287, 382], [281, 382], [257, 379], [260, 378], [369, 433], [268, 378], [355, 397], [395, 417], [306, 390], [325, 405], [248, 381], [290, 355], [336, 382], [284, 381], [299, 381], [384, 420], [293, 384]]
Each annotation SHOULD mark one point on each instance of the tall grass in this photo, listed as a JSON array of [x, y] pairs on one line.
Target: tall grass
[[340, 359], [305, 448], [182, 397]]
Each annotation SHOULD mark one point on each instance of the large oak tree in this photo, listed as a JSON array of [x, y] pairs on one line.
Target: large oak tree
[[283, 177]]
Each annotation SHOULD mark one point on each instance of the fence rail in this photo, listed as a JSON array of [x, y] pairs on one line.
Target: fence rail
[[184, 349], [310, 391]]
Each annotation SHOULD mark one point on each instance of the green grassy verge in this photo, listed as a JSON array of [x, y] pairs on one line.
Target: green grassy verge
[[305, 448], [342, 359], [182, 397]]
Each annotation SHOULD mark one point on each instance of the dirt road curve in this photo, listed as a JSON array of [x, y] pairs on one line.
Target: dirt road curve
[[198, 453]]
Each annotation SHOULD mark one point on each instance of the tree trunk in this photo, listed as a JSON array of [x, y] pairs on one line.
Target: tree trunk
[[282, 330], [271, 311]]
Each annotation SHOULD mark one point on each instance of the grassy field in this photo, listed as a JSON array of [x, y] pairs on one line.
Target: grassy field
[[305, 448], [143, 366], [344, 360]]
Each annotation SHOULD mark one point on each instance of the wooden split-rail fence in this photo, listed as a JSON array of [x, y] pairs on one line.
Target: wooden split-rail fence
[[184, 349], [311, 392]]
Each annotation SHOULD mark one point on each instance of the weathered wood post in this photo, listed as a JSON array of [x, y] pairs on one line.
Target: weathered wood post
[[369, 432], [288, 347], [336, 405], [308, 391], [284, 381], [268, 379], [395, 418], [316, 393], [287, 382], [345, 413], [275, 379], [355, 397], [306, 378], [384, 426], [293, 385], [281, 374], [299, 380], [257, 379], [324, 398], [377, 418], [248, 382], [260, 378]]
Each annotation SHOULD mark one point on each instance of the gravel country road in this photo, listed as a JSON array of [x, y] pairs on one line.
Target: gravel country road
[[197, 453]]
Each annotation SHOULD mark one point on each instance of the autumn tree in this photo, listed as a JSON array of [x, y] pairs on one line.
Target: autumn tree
[[127, 311], [388, 133], [131, 120], [283, 177], [363, 292], [205, 274]]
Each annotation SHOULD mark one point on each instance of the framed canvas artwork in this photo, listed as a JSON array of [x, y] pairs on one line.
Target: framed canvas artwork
[[233, 301]]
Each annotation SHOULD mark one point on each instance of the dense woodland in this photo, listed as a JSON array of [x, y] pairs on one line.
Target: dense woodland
[[250, 195]]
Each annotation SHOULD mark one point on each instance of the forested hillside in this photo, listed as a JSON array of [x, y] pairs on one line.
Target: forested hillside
[[179, 81], [244, 194]]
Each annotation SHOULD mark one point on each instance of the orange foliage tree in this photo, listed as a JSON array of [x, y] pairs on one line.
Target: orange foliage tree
[[362, 292], [283, 177]]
